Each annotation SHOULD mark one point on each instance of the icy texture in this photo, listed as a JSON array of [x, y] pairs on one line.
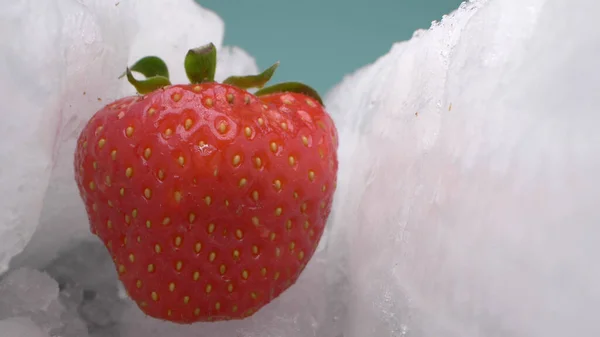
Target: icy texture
[[70, 54], [91, 40], [20, 327], [35, 295], [26, 168], [88, 283], [468, 193]]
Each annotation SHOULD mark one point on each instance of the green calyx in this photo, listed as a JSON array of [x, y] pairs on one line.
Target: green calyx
[[200, 67], [201, 64], [154, 69]]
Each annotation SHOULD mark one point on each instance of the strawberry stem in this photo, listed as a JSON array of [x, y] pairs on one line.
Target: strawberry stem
[[296, 87], [201, 64], [252, 81]]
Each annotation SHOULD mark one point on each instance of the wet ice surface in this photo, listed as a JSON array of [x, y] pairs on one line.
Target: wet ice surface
[[467, 192]]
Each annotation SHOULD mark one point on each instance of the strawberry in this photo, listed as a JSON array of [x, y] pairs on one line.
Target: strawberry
[[211, 200]]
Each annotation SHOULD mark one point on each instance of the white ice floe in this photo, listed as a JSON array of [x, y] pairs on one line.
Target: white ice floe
[[468, 193]]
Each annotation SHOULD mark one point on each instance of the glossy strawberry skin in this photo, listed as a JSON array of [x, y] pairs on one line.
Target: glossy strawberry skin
[[210, 200]]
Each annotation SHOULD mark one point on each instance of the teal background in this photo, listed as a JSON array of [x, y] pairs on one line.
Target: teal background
[[320, 41]]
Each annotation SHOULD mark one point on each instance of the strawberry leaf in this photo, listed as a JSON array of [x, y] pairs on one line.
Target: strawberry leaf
[[201, 64], [149, 84], [252, 81], [296, 87], [150, 66]]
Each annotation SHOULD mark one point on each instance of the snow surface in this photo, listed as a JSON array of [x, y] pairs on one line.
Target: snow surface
[[467, 194]]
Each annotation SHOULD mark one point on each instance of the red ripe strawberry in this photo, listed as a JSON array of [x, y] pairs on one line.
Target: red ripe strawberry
[[211, 200]]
